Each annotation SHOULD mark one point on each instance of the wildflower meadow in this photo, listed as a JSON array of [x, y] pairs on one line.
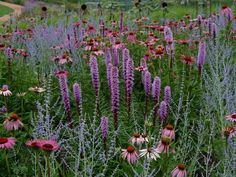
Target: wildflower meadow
[[143, 88]]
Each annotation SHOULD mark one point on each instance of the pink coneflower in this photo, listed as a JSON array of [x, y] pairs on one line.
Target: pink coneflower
[[34, 143], [168, 131], [136, 138], [91, 30], [150, 153], [189, 60], [227, 12], [229, 131], [7, 143], [164, 145], [179, 171], [48, 145], [5, 91], [131, 37], [130, 154], [118, 45], [183, 41], [159, 51], [37, 89], [141, 68], [13, 122], [231, 117]]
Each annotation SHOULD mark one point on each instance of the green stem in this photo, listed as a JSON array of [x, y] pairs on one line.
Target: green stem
[[7, 164]]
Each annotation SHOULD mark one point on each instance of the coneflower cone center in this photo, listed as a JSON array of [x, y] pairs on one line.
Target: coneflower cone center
[[136, 135], [234, 116], [3, 140], [181, 167], [130, 149], [48, 146], [169, 127]]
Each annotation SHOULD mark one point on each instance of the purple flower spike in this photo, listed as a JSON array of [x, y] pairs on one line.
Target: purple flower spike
[[77, 96], [115, 56], [129, 82], [147, 83], [95, 74], [167, 96], [115, 94], [163, 111], [109, 69], [104, 127], [201, 56], [156, 89], [125, 57], [107, 56], [121, 21], [62, 76], [214, 30]]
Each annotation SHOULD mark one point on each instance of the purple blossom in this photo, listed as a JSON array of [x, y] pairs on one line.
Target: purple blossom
[[201, 55], [109, 69], [115, 94], [121, 21], [163, 111], [147, 83], [199, 20], [77, 96], [168, 35], [167, 95], [3, 109], [156, 89], [143, 64], [129, 81], [125, 57], [104, 127], [107, 56], [214, 30], [62, 76], [95, 74], [115, 56]]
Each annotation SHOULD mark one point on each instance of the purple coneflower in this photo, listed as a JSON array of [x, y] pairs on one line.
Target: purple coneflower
[[13, 122], [150, 153], [130, 154], [179, 171], [169, 131], [231, 117], [7, 143]]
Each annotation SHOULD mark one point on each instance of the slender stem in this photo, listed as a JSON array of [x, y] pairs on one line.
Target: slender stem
[[7, 164], [48, 165]]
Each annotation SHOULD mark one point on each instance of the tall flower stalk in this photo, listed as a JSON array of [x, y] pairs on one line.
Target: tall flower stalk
[[95, 79], [156, 89], [129, 82], [62, 76], [77, 97], [201, 56], [147, 88], [104, 130], [115, 94]]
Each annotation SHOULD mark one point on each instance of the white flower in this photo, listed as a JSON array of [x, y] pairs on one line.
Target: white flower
[[150, 153], [5, 92]]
